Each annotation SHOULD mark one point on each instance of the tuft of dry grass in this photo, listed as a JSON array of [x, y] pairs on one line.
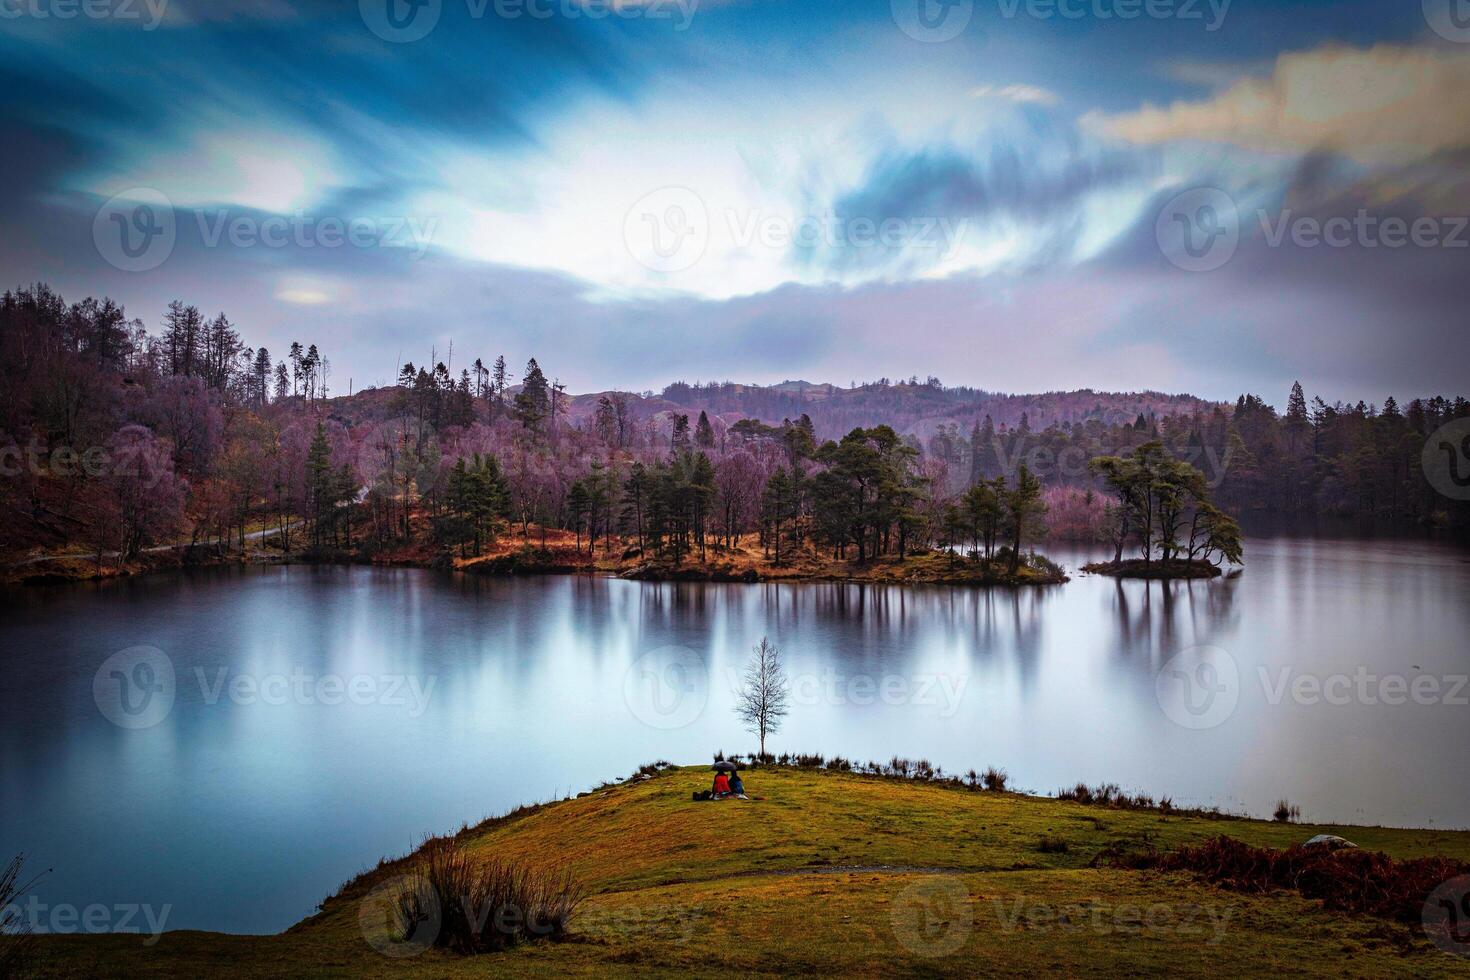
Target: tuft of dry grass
[[483, 905], [19, 944]]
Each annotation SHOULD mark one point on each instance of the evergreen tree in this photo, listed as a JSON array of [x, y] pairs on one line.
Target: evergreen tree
[[499, 381], [1024, 508], [704, 433], [533, 401], [262, 373]]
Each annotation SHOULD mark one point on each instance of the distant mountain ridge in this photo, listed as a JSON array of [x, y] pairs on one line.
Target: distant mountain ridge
[[920, 409]]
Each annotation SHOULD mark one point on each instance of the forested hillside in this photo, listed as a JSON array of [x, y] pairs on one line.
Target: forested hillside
[[116, 437]]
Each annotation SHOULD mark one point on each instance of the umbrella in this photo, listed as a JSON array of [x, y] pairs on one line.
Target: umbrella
[[723, 766]]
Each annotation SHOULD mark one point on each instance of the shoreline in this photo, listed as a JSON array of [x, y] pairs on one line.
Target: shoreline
[[716, 863], [925, 568]]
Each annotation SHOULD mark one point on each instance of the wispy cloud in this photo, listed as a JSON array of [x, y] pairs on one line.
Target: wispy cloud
[[1386, 104], [1017, 93]]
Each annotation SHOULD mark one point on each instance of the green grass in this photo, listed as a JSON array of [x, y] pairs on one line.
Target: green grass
[[828, 871]]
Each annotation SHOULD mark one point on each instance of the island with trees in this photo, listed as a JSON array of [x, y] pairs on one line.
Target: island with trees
[[1164, 505]]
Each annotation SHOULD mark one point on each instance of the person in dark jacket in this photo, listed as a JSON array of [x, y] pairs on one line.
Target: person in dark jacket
[[737, 786]]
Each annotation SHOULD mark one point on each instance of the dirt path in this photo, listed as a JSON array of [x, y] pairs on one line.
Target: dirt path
[[156, 549]]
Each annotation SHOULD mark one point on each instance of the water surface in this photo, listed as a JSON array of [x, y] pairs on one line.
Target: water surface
[[324, 717]]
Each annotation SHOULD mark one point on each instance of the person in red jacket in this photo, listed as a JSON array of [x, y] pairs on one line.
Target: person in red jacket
[[722, 785]]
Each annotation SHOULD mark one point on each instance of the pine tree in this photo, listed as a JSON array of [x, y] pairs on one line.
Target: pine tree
[[262, 372], [635, 500], [533, 401], [295, 355], [1024, 508], [499, 381]]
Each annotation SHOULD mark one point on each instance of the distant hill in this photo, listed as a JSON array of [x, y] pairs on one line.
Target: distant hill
[[913, 409], [917, 409]]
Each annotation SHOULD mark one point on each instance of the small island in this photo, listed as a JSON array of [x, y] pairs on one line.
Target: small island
[[746, 562], [1138, 568], [1164, 507]]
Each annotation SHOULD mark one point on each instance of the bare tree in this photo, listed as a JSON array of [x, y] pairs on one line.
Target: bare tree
[[761, 701]]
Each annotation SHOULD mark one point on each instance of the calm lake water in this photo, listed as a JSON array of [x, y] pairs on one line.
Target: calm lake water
[[233, 744]]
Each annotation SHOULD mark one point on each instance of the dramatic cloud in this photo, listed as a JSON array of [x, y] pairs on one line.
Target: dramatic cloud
[[865, 203], [1386, 104]]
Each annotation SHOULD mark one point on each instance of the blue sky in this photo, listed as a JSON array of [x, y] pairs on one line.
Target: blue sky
[[638, 191]]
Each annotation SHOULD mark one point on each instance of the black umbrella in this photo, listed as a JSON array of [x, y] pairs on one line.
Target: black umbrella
[[723, 766]]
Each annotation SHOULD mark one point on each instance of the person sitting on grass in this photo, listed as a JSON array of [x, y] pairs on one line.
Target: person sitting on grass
[[737, 786], [722, 786]]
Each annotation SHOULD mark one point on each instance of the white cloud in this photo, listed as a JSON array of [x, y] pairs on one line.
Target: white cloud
[[266, 169], [1387, 104], [1021, 94]]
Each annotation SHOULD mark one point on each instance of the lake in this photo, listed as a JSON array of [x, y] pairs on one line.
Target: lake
[[232, 744]]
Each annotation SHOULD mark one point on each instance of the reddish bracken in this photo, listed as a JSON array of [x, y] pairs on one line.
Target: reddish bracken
[[1347, 880]]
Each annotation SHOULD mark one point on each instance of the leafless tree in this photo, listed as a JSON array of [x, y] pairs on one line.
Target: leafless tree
[[761, 701]]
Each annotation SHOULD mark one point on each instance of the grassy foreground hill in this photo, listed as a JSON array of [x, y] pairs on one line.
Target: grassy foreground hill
[[836, 872]]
